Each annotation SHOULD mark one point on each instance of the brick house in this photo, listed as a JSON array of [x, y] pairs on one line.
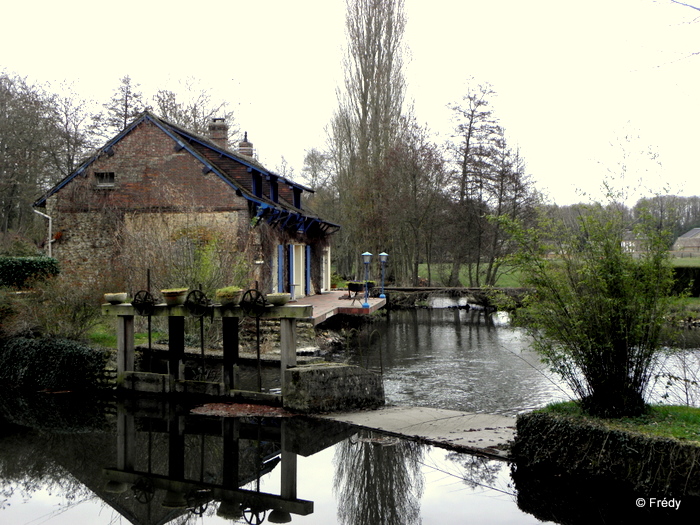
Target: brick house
[[156, 181]]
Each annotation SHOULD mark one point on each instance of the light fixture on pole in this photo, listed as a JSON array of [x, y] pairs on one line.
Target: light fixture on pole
[[366, 258], [383, 258]]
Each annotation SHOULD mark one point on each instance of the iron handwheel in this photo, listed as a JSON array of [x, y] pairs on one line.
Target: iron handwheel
[[197, 303], [143, 302], [253, 302], [143, 490]]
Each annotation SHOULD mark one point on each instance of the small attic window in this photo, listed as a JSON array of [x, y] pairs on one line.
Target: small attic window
[[274, 189], [257, 184], [296, 192], [104, 179]]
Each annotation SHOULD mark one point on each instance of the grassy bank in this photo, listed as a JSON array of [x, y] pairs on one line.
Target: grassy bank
[[667, 421], [652, 455]]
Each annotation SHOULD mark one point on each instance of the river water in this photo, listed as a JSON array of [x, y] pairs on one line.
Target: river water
[[459, 360], [68, 460]]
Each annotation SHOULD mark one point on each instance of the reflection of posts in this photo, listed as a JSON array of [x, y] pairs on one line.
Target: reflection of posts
[[176, 346], [288, 485], [174, 497], [177, 488], [126, 434]]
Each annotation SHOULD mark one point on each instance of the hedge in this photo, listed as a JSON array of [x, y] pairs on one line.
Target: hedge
[[18, 272], [589, 449], [51, 364]]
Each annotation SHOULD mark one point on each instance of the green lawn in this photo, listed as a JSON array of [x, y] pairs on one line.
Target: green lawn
[[105, 335], [686, 262], [508, 278], [680, 422]]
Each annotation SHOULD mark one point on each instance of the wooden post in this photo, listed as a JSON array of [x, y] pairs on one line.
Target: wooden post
[[229, 329], [288, 346], [176, 346], [125, 344]]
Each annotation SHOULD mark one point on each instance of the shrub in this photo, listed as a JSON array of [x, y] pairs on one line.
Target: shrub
[[18, 272], [52, 364], [58, 307], [598, 310]]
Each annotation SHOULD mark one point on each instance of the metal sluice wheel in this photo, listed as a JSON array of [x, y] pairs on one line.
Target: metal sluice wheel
[[253, 302], [197, 303], [143, 302]]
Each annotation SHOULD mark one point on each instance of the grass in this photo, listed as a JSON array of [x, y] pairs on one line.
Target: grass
[[105, 335], [509, 277], [669, 421], [686, 262]]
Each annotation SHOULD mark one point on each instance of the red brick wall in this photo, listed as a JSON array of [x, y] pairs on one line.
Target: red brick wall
[[149, 173], [150, 176]]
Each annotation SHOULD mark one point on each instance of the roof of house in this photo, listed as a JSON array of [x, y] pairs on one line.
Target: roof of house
[[690, 234], [221, 161]]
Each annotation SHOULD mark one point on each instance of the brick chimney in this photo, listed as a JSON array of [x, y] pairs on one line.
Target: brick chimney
[[218, 132], [245, 147]]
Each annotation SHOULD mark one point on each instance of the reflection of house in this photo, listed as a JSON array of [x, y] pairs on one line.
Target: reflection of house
[[688, 244], [155, 171]]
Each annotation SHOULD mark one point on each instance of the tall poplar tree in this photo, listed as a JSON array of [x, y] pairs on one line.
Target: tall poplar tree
[[365, 124]]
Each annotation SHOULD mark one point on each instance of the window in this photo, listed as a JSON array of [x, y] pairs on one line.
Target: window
[[104, 179], [274, 190], [257, 184]]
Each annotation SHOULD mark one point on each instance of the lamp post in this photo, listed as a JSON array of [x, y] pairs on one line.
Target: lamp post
[[383, 257], [366, 258]]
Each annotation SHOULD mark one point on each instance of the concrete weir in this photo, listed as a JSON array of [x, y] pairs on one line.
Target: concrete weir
[[486, 434], [305, 388]]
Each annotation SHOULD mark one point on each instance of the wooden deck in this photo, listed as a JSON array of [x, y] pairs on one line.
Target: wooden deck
[[328, 304]]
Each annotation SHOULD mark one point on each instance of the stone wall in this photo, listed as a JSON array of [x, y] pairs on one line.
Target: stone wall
[[329, 387]]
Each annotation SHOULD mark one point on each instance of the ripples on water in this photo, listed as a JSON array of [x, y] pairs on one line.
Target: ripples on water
[[460, 360], [471, 360]]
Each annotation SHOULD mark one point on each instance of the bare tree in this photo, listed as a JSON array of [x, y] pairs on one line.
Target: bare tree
[[488, 183], [366, 122], [72, 140], [411, 182], [193, 107], [474, 131], [25, 129]]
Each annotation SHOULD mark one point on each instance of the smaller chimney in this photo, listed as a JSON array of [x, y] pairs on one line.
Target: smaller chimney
[[218, 132], [245, 147]]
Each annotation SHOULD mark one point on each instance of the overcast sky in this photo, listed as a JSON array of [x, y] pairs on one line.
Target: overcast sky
[[581, 85]]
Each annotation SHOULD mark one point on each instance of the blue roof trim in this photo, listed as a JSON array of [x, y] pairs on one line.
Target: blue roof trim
[[241, 160]]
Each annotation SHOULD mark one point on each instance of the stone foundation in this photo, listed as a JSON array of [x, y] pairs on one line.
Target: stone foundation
[[329, 387]]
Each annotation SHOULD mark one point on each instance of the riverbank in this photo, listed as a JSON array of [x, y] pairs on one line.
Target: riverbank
[[658, 454]]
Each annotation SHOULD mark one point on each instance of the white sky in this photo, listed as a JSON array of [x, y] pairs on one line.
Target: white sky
[[571, 77]]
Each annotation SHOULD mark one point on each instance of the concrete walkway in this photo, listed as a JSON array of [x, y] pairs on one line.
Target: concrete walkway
[[480, 433]]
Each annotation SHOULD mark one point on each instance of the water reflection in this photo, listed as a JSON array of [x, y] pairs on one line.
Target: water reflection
[[378, 480], [149, 463]]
